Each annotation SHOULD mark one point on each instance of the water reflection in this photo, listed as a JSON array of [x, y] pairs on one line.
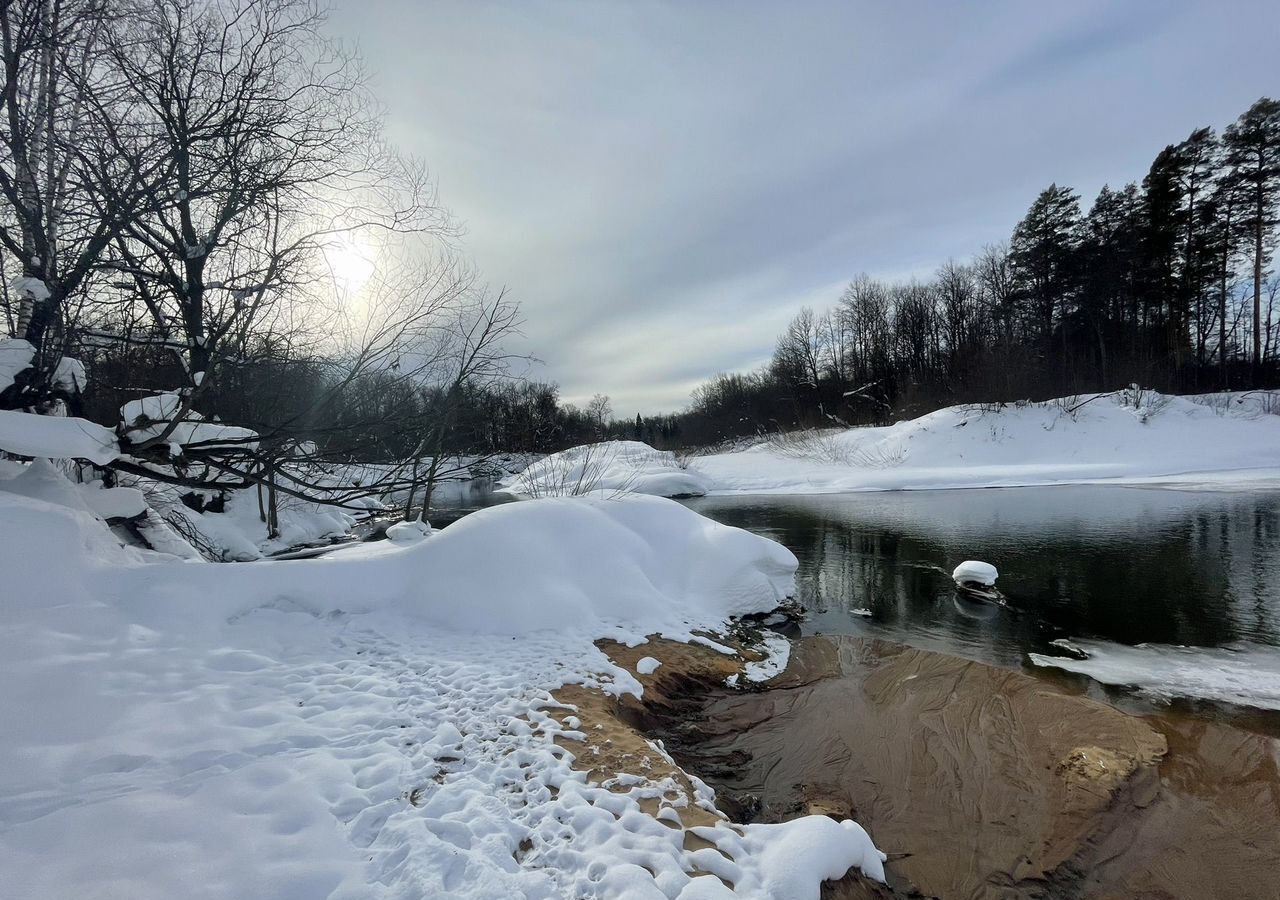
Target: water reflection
[[1124, 564]]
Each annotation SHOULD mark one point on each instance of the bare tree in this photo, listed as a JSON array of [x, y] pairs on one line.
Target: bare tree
[[599, 411], [274, 149], [64, 196]]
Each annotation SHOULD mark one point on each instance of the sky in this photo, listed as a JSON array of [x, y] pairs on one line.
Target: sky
[[663, 185]]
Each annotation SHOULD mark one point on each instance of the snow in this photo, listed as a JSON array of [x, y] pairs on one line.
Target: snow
[[30, 288], [69, 375], [374, 724], [609, 467], [1246, 674], [409, 532], [15, 356], [974, 572], [41, 481], [239, 532], [647, 665], [777, 651], [152, 408], [1124, 437], [56, 437], [148, 417]]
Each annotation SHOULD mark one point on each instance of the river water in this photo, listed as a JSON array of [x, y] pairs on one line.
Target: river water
[[1194, 573]]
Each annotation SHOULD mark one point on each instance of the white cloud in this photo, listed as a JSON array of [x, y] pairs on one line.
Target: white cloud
[[662, 184]]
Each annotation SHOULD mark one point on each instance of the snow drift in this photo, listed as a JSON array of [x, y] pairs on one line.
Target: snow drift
[[582, 563], [1125, 437], [610, 467], [377, 724]]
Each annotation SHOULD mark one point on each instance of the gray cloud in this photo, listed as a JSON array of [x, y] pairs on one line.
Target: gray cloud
[[662, 185]]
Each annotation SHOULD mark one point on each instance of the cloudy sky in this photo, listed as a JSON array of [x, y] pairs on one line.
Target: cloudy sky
[[662, 185]]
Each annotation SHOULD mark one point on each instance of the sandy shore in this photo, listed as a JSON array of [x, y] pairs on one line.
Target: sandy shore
[[980, 782]]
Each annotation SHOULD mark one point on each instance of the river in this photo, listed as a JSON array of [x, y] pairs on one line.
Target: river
[[1121, 566]]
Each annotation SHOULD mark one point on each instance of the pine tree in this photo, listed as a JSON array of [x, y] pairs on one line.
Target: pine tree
[[1253, 153], [1108, 259], [1043, 255]]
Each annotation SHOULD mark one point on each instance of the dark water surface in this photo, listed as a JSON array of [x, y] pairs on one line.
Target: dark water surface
[[1118, 564], [1130, 565]]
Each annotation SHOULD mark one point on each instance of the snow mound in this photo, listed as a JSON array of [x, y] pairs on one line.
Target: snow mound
[[1123, 437], [41, 481], [409, 532], [558, 563], [1247, 675], [974, 572], [609, 467], [341, 727]]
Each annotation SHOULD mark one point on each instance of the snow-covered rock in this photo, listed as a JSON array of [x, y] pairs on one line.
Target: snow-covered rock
[[610, 467], [973, 572], [41, 481], [1124, 437], [409, 532]]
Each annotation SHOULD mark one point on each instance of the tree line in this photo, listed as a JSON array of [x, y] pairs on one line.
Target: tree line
[[1167, 283]]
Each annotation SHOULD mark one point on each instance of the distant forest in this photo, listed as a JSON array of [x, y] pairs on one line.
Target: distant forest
[[1167, 283]]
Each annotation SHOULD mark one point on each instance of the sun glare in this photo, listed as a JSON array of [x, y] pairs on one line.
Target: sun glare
[[351, 262]]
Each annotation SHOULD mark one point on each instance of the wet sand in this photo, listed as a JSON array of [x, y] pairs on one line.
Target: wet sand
[[979, 782]]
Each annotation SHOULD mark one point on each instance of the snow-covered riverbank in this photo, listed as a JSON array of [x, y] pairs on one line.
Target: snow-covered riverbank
[[1127, 437], [376, 724]]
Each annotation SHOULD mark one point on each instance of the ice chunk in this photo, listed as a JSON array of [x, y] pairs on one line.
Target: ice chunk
[[1247, 674]]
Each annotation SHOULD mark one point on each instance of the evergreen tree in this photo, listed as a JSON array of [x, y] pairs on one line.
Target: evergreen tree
[[1108, 259], [1043, 256], [1253, 152]]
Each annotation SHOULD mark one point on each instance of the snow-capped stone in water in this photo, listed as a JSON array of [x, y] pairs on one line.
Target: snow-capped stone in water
[[973, 572], [409, 532]]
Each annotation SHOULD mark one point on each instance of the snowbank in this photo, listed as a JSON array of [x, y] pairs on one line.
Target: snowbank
[[376, 724], [610, 467], [1246, 675], [1125, 437], [641, 563]]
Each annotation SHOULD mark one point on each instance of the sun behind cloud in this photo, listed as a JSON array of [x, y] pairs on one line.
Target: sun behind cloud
[[351, 261]]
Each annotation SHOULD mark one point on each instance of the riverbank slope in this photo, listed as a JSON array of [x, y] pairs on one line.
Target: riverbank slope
[[1125, 437]]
